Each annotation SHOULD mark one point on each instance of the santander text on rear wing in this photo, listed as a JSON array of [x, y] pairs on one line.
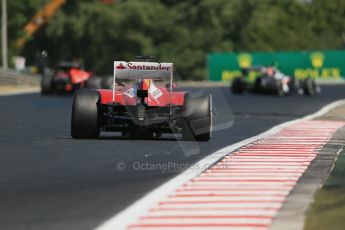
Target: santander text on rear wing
[[142, 70]]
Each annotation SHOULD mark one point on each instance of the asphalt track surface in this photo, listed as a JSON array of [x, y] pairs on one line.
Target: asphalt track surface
[[50, 181]]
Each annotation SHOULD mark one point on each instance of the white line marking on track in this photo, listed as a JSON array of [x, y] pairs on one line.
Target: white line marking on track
[[141, 207], [19, 91]]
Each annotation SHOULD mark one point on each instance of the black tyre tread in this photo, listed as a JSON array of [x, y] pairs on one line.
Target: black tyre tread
[[279, 88], [85, 114], [309, 87], [46, 85]]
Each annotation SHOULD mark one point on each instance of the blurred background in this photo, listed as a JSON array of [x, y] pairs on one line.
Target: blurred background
[[193, 34]]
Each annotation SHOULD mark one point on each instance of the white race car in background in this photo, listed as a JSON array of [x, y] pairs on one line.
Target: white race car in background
[[270, 80]]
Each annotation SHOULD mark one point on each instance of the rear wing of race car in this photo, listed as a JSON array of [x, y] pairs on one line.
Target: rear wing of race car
[[142, 70]]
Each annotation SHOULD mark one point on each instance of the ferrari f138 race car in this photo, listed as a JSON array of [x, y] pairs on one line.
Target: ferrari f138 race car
[[270, 80], [68, 77], [140, 105]]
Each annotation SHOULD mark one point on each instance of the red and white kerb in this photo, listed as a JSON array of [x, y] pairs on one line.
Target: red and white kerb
[[246, 188]]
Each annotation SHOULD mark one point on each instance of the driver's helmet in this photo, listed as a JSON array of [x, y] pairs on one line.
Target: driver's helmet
[[270, 71], [144, 84]]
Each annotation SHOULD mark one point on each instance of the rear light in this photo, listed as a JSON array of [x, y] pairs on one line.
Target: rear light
[[141, 112], [68, 87]]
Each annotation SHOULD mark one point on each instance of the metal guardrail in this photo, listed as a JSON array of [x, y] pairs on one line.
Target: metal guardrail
[[11, 77]]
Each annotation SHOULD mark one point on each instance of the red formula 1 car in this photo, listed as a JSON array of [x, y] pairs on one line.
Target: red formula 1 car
[[66, 78], [139, 105]]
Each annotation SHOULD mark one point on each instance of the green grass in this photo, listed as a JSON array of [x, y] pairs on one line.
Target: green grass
[[328, 210]]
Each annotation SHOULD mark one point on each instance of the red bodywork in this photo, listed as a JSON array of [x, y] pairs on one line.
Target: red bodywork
[[78, 75], [72, 78], [157, 96]]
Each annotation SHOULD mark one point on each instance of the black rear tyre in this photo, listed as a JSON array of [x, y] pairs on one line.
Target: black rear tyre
[[279, 88], [197, 114], [295, 86], [46, 84], [238, 86], [310, 87], [85, 114]]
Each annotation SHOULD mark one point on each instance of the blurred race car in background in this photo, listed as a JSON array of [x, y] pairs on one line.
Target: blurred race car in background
[[270, 80], [68, 77], [141, 104]]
